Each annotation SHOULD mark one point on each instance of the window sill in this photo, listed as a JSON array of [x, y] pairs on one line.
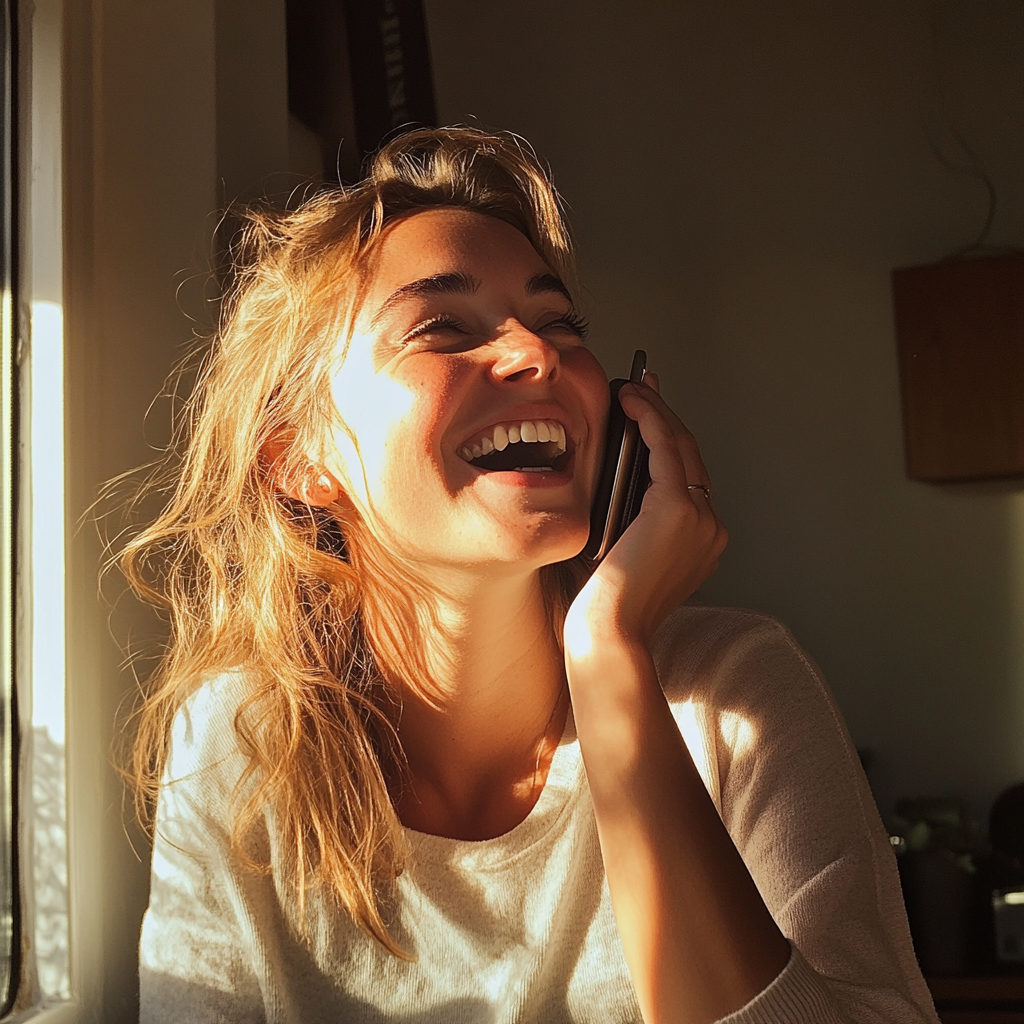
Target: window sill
[[64, 1012]]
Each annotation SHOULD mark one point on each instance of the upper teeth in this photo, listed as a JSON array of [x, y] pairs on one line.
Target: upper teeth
[[500, 437]]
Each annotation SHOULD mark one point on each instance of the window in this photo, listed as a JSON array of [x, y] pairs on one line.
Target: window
[[42, 978]]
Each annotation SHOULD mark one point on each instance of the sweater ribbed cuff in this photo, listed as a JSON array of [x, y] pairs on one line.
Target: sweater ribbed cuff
[[797, 996]]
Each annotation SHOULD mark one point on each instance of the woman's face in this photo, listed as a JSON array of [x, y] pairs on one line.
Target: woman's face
[[465, 356]]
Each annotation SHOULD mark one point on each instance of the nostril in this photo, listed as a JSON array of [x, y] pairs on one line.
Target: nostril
[[525, 375], [525, 371]]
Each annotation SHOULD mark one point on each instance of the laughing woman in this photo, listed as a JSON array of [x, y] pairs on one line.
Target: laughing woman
[[411, 757]]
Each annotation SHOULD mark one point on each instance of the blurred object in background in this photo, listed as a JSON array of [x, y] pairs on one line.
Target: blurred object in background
[[1008, 922], [945, 897], [1006, 835], [358, 71]]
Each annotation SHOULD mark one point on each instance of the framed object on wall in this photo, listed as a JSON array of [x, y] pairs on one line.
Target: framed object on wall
[[358, 70], [960, 336]]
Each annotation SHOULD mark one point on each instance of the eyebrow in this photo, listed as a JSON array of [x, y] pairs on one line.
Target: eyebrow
[[461, 284], [439, 284], [541, 283]]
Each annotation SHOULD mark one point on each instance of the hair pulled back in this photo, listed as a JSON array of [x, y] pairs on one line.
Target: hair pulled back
[[299, 599]]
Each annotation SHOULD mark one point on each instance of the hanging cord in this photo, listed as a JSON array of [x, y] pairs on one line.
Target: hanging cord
[[936, 121]]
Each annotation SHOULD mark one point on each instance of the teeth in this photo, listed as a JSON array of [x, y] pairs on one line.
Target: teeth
[[527, 432], [534, 469]]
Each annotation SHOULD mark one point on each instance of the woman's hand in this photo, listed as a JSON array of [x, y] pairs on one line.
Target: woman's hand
[[697, 936], [672, 546]]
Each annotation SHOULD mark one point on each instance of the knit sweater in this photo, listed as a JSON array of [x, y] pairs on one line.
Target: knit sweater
[[520, 928]]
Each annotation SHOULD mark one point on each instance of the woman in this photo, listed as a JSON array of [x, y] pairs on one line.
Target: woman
[[407, 767]]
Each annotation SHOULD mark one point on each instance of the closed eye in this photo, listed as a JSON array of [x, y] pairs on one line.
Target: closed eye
[[571, 321], [436, 323]]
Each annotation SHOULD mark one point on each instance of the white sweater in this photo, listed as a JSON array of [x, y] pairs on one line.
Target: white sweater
[[520, 928]]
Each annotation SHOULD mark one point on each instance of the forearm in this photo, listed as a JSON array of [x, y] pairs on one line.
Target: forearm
[[698, 939]]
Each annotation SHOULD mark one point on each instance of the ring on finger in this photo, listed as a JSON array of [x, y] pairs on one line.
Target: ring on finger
[[701, 487]]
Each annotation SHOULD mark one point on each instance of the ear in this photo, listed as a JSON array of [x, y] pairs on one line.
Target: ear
[[313, 485]]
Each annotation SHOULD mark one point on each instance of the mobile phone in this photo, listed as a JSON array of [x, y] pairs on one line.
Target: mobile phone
[[624, 473]]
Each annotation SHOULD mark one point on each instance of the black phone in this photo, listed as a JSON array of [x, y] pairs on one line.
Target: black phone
[[625, 475]]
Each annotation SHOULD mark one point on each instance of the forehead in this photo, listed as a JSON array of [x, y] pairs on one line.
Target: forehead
[[449, 239]]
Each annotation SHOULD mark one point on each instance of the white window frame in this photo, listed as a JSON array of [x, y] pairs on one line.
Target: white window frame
[[41, 679]]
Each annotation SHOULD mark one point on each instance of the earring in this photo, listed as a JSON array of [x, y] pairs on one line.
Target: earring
[[326, 491]]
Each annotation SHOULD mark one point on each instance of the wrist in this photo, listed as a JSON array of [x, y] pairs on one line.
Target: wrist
[[615, 691], [599, 620]]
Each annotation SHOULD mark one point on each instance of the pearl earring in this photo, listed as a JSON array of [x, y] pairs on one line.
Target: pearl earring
[[326, 488]]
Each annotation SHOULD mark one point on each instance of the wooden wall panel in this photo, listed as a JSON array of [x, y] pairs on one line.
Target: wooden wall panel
[[960, 335]]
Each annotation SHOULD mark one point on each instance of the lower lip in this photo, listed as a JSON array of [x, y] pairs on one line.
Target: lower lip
[[510, 478]]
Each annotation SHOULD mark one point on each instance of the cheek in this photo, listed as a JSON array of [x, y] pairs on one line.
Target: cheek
[[370, 407], [595, 398], [388, 444], [432, 393], [588, 373], [592, 387]]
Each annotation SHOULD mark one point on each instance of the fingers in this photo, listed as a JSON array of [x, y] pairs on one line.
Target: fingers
[[699, 490], [675, 543], [665, 423]]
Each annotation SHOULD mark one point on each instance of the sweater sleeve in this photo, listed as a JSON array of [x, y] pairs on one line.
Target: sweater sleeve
[[196, 956], [789, 786]]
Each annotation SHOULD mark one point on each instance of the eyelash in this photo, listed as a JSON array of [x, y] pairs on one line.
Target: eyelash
[[573, 321], [430, 325]]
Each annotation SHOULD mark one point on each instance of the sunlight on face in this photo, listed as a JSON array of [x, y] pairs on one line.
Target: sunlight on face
[[466, 339], [374, 409]]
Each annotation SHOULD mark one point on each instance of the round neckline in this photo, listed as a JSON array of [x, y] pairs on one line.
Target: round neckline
[[560, 786]]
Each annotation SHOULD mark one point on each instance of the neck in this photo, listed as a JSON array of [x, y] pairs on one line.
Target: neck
[[479, 732]]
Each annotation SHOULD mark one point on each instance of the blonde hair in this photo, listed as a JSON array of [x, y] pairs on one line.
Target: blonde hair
[[300, 598]]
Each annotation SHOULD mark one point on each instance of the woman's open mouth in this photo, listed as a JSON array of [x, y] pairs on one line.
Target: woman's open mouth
[[527, 446]]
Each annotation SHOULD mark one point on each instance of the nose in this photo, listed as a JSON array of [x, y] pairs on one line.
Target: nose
[[524, 357]]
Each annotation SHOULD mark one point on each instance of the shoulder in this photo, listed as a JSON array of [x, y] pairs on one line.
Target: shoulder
[[203, 738], [770, 742], [205, 767], [705, 650], [749, 695]]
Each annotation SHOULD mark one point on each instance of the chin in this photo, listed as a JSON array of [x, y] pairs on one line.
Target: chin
[[555, 545]]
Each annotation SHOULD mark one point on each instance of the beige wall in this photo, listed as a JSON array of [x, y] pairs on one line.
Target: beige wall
[[169, 109], [140, 173], [742, 178]]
